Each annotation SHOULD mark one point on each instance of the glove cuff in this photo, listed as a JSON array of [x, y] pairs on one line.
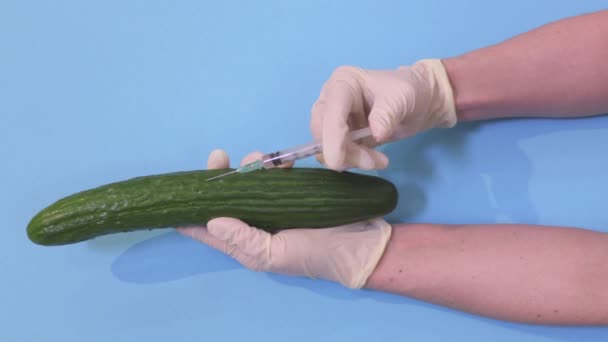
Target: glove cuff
[[443, 104], [384, 230]]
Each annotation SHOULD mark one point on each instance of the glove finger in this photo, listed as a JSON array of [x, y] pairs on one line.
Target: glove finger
[[218, 159], [316, 117], [253, 263], [365, 158], [347, 81], [331, 114], [335, 126], [383, 122], [202, 234], [248, 240]]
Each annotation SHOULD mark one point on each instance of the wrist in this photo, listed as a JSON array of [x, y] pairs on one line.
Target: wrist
[[350, 253], [384, 230], [437, 85], [468, 101]]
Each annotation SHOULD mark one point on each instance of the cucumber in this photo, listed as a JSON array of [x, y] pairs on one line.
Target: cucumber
[[271, 200]]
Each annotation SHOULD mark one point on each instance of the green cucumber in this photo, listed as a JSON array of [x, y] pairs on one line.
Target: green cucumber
[[271, 200]]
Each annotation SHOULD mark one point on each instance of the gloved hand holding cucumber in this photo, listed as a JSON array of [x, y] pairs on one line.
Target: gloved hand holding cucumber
[[524, 273]]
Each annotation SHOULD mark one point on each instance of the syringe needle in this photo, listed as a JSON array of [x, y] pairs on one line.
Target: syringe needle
[[256, 165], [222, 175], [291, 154]]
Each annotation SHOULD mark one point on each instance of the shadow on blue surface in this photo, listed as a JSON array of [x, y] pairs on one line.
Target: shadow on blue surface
[[171, 256], [412, 169], [333, 290], [578, 334], [168, 257], [491, 179]]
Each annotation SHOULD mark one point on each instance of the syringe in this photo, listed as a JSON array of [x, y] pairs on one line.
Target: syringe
[[282, 157]]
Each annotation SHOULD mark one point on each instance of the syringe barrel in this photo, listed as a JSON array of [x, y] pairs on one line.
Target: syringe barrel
[[279, 158]]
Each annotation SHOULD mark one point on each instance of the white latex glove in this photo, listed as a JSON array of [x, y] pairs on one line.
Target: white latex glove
[[394, 103], [345, 254]]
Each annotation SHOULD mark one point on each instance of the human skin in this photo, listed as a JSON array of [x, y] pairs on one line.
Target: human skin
[[523, 273], [556, 70]]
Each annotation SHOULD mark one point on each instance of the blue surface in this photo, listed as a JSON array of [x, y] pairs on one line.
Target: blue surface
[[97, 91]]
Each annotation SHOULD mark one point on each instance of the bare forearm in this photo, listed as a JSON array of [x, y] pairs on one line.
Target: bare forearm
[[557, 70], [524, 273]]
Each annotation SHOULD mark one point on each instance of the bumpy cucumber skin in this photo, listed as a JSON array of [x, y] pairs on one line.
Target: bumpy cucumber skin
[[268, 199]]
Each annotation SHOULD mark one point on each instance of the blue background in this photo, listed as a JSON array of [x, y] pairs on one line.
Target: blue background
[[93, 92]]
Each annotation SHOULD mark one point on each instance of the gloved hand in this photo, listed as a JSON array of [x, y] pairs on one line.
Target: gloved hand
[[394, 103], [345, 254]]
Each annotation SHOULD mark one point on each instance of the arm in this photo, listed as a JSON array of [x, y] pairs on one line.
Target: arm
[[557, 70], [533, 274], [525, 273]]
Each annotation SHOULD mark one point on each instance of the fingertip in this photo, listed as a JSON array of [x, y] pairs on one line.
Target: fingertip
[[359, 158], [202, 234], [383, 160], [379, 131], [218, 159], [334, 145], [380, 124], [366, 158], [251, 157], [321, 159], [380, 160], [339, 95], [220, 222], [337, 164], [335, 160], [287, 165], [225, 228]]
